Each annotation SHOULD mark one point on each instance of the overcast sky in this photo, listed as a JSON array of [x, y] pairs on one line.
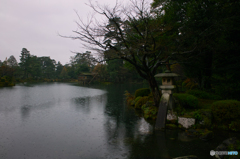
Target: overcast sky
[[35, 24]]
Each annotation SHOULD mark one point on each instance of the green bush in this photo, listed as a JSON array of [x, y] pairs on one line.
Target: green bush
[[186, 100], [140, 102], [6, 81], [142, 92], [136, 99], [203, 94], [149, 110], [3, 79], [235, 125], [226, 110], [129, 98]]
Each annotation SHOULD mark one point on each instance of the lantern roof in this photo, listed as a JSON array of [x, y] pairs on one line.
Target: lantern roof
[[166, 74]]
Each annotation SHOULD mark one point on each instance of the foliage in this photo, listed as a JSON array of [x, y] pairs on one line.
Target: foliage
[[136, 99], [59, 68], [235, 125], [203, 95], [227, 85], [140, 102], [64, 73], [233, 146], [47, 67], [190, 83], [211, 26], [133, 35], [197, 115], [149, 110], [226, 110], [6, 81], [129, 98], [142, 92], [36, 68], [12, 62], [205, 103], [115, 69], [101, 70], [187, 100], [24, 64], [131, 72]]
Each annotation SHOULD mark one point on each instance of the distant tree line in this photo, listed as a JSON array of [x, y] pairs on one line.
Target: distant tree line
[[33, 68]]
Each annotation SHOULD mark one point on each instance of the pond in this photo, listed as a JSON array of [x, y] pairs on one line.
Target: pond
[[63, 120]]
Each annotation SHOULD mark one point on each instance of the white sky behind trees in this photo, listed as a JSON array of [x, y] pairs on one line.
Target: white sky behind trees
[[35, 25]]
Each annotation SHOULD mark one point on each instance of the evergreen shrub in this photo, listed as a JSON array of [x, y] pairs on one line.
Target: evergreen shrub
[[203, 95], [235, 125], [136, 99], [142, 92], [186, 100], [226, 110], [140, 102], [129, 98], [149, 110]]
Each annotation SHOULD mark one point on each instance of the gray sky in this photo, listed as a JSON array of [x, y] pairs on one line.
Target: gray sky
[[35, 24]]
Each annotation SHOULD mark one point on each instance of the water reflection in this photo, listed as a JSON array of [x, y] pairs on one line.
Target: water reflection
[[82, 104], [66, 121], [25, 111], [144, 127], [85, 104]]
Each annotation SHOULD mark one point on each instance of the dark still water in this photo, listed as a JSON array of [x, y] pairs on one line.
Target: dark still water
[[60, 120]]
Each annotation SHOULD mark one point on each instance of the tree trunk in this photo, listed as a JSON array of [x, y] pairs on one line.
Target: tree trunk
[[155, 89]]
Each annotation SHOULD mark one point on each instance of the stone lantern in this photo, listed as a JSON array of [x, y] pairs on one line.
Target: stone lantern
[[166, 102], [167, 81]]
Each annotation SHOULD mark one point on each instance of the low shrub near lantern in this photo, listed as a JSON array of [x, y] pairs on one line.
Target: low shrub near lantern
[[186, 100], [142, 92]]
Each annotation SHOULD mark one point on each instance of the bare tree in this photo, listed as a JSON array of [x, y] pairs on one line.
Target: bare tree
[[132, 34]]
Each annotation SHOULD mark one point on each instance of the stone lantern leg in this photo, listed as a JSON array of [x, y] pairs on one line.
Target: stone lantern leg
[[166, 101]]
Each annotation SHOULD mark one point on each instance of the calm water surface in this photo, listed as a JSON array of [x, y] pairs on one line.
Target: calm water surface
[[61, 120]]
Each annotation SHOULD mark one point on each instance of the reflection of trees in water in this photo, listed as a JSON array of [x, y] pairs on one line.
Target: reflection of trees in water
[[121, 124], [149, 146], [82, 104], [85, 104], [131, 135], [25, 111]]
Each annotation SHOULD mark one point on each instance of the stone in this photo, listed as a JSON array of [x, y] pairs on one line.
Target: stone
[[207, 136], [171, 115], [230, 141], [224, 146], [186, 122], [221, 147]]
